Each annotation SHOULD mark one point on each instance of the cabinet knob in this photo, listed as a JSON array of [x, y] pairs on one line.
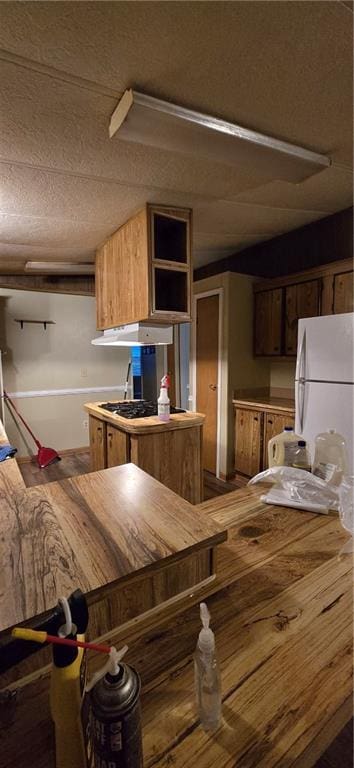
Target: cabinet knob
[[255, 418], [270, 421], [276, 349], [213, 387]]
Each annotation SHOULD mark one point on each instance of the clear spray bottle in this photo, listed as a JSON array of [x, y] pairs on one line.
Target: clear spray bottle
[[207, 675]]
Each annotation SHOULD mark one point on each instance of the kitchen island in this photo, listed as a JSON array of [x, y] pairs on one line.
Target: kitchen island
[[281, 608], [125, 540], [169, 451]]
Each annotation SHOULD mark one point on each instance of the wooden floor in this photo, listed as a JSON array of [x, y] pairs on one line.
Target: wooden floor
[[340, 752], [214, 487], [69, 466], [78, 464]]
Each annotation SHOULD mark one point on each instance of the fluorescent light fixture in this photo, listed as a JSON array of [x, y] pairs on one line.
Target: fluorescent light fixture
[[60, 267], [146, 120], [135, 335]]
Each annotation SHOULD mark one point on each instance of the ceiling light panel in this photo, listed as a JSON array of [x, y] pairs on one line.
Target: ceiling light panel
[[145, 120], [59, 267]]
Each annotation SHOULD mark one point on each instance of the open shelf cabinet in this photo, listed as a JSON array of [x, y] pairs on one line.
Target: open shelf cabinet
[[143, 271]]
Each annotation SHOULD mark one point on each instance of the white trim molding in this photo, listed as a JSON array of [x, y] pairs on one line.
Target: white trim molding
[[193, 363], [60, 392]]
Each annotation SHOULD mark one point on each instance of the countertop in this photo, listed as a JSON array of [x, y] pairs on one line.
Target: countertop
[[283, 625], [282, 616], [89, 532], [147, 424], [10, 475], [273, 404]]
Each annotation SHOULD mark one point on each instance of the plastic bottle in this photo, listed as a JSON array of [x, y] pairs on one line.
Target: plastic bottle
[[207, 675], [302, 457], [282, 447], [163, 403], [330, 460]]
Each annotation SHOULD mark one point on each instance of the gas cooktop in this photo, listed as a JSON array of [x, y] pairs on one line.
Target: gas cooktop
[[135, 409]]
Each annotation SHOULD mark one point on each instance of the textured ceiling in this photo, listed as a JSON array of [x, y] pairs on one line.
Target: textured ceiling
[[283, 68]]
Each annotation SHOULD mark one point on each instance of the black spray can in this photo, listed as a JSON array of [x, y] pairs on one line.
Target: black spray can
[[115, 720]]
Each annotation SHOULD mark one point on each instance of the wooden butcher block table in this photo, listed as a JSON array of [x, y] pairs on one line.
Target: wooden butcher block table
[[101, 532], [282, 614]]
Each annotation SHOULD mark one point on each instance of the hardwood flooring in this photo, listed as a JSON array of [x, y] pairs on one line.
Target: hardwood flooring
[[214, 487], [79, 464], [69, 466]]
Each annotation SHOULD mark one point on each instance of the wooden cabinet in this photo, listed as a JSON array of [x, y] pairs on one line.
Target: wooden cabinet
[[117, 446], [280, 303], [268, 322], [248, 441], [337, 294], [301, 300], [98, 445], [254, 427], [343, 294], [172, 456], [273, 424], [143, 271]]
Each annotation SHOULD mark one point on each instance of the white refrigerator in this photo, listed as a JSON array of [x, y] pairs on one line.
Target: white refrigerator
[[324, 379]]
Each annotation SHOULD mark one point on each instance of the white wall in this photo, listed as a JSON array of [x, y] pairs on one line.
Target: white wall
[[60, 357], [282, 376]]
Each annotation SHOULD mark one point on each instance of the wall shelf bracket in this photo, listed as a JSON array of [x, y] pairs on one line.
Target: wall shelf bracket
[[22, 321]]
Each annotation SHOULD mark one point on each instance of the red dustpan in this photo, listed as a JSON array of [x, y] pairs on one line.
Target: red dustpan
[[45, 456]]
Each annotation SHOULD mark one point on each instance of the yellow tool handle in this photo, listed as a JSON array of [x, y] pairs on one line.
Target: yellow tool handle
[[21, 633]]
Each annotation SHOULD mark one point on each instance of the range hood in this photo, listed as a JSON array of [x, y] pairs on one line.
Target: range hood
[[135, 335]]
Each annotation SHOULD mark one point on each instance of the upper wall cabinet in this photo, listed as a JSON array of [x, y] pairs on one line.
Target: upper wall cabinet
[[301, 300], [143, 271], [268, 322], [343, 294], [280, 303]]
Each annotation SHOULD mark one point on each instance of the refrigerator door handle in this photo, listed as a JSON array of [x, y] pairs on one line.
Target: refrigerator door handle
[[300, 384], [301, 359]]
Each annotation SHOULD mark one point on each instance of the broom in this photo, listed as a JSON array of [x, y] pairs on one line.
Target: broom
[[45, 456]]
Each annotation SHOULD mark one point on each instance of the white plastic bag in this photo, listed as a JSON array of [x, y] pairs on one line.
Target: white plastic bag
[[346, 512], [298, 488]]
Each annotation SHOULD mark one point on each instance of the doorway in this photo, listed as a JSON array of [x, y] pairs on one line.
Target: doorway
[[207, 373], [178, 358]]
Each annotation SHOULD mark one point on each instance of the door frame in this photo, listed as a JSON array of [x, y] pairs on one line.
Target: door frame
[[193, 363]]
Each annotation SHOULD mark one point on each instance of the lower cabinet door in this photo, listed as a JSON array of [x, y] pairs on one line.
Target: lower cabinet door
[[274, 423], [117, 447], [248, 441], [97, 431]]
